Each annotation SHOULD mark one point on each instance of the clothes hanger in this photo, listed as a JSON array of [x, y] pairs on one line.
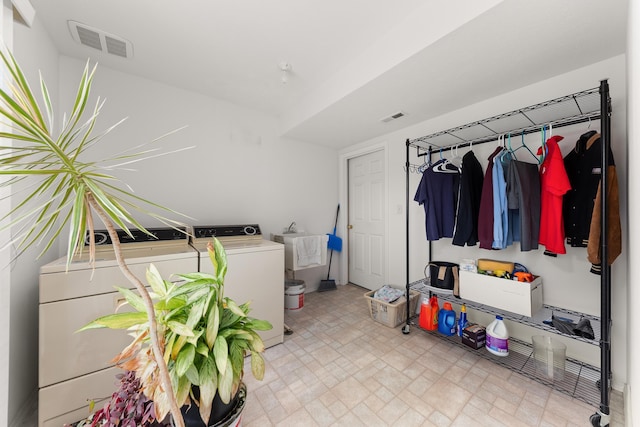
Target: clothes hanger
[[543, 145], [508, 148], [506, 151], [445, 166], [427, 162], [545, 148], [456, 160], [523, 146]]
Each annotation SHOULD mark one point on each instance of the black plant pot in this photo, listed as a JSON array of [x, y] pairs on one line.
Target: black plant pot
[[220, 411]]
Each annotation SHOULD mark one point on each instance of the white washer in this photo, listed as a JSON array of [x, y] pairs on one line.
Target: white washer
[[255, 272], [75, 367]]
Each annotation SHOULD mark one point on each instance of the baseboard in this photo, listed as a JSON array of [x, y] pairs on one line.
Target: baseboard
[[628, 419]]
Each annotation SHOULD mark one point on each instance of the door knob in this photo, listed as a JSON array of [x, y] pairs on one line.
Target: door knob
[[349, 226]]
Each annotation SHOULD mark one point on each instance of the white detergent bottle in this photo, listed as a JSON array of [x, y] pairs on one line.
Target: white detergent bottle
[[497, 337]]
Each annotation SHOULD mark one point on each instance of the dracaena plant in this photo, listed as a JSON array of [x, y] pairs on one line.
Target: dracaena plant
[[205, 335], [69, 187]]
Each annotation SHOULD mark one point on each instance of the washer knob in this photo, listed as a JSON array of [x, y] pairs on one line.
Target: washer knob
[[102, 238]]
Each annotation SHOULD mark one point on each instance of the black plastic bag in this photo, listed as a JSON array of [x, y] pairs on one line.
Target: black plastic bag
[[563, 325]]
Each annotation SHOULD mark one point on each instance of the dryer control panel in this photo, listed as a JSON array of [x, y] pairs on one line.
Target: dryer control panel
[[227, 233], [137, 236]]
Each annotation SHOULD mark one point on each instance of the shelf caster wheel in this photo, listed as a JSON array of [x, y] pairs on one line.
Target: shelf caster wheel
[[597, 420], [406, 329]]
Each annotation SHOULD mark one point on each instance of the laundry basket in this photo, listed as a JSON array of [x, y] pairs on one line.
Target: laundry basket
[[391, 314]]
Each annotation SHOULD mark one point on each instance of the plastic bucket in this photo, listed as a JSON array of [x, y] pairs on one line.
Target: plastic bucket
[[294, 294], [549, 357]]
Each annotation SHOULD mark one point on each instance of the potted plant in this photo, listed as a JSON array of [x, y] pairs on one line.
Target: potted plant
[[127, 407], [71, 189], [205, 337]]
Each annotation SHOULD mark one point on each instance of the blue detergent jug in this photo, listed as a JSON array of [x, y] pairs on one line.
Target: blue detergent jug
[[447, 320]]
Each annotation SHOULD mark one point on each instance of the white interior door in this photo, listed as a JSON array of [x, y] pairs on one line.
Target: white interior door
[[367, 220]]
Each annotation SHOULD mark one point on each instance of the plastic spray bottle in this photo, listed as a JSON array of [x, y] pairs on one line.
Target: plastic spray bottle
[[462, 321]]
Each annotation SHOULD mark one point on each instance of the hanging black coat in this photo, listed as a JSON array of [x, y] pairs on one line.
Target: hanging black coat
[[469, 201]]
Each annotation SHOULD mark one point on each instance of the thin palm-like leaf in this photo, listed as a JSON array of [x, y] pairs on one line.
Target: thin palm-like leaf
[[77, 229], [19, 78], [48, 222], [23, 205], [49, 231], [139, 208], [62, 197], [47, 100], [148, 157]]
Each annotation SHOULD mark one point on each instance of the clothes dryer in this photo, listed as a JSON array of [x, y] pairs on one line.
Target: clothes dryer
[[75, 368], [255, 272]]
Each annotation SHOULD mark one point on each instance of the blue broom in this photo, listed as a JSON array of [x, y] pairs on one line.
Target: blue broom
[[334, 244]]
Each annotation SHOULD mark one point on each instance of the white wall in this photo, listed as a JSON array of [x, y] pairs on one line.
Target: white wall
[[240, 170], [632, 402], [6, 38], [35, 52], [568, 282]]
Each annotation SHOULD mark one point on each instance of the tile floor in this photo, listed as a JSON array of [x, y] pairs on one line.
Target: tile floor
[[340, 368]]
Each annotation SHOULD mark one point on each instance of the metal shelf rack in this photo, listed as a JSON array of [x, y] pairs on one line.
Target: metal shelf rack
[[575, 108], [579, 381], [537, 321]]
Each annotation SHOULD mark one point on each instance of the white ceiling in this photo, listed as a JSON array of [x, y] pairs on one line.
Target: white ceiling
[[353, 61]]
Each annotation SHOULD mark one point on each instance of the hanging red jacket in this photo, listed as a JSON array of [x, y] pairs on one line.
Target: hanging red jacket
[[554, 183]]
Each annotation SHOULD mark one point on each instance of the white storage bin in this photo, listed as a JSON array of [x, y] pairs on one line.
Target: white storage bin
[[523, 298]]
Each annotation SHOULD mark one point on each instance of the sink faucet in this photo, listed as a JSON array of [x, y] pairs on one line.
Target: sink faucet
[[292, 227]]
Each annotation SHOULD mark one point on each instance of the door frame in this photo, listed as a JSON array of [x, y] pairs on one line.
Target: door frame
[[343, 199]]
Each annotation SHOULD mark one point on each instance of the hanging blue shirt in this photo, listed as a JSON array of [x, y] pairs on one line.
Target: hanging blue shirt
[[500, 207], [437, 192]]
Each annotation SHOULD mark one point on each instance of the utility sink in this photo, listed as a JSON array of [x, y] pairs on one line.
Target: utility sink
[[293, 234], [282, 237], [291, 256]]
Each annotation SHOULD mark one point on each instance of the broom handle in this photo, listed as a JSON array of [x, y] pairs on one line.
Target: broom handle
[[329, 269], [335, 226]]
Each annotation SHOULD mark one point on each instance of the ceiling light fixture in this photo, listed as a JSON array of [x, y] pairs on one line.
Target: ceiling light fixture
[[285, 67]]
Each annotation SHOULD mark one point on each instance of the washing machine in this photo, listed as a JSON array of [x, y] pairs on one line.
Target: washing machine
[[75, 367], [255, 271]]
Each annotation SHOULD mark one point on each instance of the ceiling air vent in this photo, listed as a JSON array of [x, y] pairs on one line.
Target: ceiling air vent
[[394, 116], [100, 40]]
